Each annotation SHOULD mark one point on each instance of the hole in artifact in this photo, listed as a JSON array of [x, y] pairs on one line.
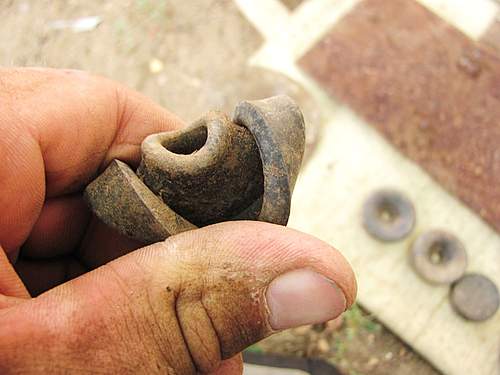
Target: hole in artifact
[[440, 252], [387, 212], [188, 143]]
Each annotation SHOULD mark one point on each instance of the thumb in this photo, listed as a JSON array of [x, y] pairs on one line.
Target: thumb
[[181, 306]]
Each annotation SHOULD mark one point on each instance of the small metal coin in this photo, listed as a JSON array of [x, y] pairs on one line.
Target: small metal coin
[[388, 215], [475, 297], [439, 257]]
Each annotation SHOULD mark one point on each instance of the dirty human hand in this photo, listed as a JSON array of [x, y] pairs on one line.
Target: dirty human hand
[[184, 306]]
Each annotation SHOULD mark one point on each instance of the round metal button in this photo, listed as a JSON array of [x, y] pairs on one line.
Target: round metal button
[[438, 257], [475, 297], [388, 215]]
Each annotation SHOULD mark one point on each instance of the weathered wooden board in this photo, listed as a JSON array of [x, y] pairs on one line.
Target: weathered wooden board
[[352, 160]]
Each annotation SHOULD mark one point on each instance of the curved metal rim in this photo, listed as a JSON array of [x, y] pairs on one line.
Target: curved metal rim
[[276, 198], [447, 273]]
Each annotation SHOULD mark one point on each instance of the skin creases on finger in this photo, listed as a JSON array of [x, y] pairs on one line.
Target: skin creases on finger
[[101, 322], [226, 272], [181, 307], [134, 314]]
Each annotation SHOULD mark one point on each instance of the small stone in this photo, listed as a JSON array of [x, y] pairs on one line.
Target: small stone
[[323, 346], [372, 362], [335, 324], [302, 330], [388, 356], [155, 66]]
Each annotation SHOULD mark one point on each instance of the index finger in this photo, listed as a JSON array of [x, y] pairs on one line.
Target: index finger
[[60, 128]]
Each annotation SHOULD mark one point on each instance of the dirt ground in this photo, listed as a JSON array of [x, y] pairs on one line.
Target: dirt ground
[[191, 56], [355, 343]]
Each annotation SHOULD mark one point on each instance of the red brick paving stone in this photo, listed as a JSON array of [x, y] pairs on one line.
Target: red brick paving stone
[[426, 87]]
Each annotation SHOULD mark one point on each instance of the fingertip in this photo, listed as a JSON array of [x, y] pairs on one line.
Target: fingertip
[[302, 297], [281, 249], [308, 280]]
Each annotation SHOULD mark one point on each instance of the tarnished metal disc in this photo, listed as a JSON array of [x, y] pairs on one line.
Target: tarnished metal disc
[[388, 215], [438, 257], [475, 297]]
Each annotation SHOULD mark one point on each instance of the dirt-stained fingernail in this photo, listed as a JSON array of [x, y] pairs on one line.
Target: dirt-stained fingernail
[[302, 297]]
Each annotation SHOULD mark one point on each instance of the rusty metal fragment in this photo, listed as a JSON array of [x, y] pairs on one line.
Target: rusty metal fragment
[[206, 172], [430, 90], [121, 200], [214, 170], [438, 257], [475, 297]]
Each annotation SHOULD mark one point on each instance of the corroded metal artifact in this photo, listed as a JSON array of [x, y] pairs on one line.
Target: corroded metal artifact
[[214, 170], [388, 215], [438, 257]]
